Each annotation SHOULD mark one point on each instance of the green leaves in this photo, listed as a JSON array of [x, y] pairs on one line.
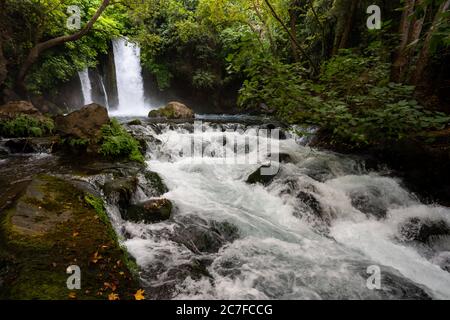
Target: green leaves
[[117, 143], [26, 126]]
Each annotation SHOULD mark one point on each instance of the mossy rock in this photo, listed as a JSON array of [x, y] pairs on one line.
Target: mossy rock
[[151, 211], [135, 122], [52, 226], [173, 110], [155, 184]]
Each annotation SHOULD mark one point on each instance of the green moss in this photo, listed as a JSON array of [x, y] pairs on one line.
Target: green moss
[[26, 126], [116, 143], [156, 182], [136, 122], [37, 263]]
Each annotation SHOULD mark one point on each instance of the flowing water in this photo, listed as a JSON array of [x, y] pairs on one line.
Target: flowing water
[[312, 233], [130, 85], [86, 86]]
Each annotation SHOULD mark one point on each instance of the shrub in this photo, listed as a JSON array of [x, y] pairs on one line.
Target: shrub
[[26, 126], [116, 142]]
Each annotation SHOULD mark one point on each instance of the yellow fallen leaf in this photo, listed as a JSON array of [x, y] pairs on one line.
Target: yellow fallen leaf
[[72, 295], [139, 295], [113, 296], [96, 257]]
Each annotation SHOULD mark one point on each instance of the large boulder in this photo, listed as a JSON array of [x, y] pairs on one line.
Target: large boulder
[[84, 123], [173, 110], [54, 224], [13, 109]]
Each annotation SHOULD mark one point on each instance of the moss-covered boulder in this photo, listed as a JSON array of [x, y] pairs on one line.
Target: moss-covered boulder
[[173, 110], [54, 225], [152, 211]]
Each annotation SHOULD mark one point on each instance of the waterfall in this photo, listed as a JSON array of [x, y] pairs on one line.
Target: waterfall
[[102, 82], [86, 86], [130, 85]]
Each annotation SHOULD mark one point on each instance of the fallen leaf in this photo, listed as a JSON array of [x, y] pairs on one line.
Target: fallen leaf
[[72, 295], [139, 295], [96, 257], [75, 234], [111, 286], [113, 296]]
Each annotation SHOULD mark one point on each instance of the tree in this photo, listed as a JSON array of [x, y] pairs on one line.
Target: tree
[[39, 48], [425, 53], [411, 26]]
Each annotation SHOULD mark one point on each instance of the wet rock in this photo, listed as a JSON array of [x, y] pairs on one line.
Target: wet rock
[[281, 157], [153, 185], [423, 230], [31, 145], [135, 122], [173, 110], [120, 191], [205, 237], [368, 202], [258, 177], [311, 202], [152, 211], [85, 123]]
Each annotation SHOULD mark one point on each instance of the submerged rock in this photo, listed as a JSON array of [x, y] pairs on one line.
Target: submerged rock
[[423, 230], [152, 211], [173, 110], [369, 202], [258, 177], [205, 237], [31, 145]]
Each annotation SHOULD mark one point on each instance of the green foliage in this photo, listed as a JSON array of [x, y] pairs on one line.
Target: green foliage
[[116, 142], [353, 100], [26, 126]]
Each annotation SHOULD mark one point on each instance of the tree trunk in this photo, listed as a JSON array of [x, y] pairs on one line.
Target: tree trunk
[[293, 26], [348, 25], [409, 29], [37, 50], [344, 26], [424, 55], [3, 62], [291, 36]]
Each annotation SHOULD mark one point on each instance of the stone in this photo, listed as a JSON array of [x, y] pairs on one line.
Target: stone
[[85, 123], [173, 110], [152, 211], [13, 109]]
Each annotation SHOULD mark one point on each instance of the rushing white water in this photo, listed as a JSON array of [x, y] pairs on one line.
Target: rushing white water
[[130, 85], [86, 86], [284, 248]]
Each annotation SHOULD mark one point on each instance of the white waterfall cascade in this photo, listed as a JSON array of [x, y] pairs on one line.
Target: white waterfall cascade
[[130, 85], [86, 86], [105, 93]]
